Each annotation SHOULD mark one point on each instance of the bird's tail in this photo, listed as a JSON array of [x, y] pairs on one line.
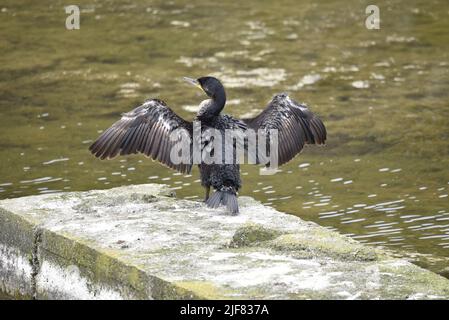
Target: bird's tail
[[226, 196]]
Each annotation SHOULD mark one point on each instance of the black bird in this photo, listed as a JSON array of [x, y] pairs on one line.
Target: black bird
[[147, 129]]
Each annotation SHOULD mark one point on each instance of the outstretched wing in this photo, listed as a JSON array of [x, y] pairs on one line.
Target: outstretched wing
[[146, 129], [295, 123]]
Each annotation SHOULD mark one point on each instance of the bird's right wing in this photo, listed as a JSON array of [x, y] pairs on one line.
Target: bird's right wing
[[147, 130], [295, 123]]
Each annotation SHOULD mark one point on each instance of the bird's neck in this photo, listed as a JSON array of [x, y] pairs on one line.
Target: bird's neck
[[212, 107], [218, 103]]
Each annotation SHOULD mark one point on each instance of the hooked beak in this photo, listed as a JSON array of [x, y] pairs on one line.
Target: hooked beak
[[193, 82]]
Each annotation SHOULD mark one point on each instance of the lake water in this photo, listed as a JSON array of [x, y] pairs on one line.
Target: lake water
[[383, 177]]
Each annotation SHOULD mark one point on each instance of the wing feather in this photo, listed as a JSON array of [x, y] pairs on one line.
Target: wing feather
[[295, 123], [146, 129]]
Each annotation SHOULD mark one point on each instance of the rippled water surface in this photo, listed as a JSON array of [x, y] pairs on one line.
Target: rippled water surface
[[383, 177]]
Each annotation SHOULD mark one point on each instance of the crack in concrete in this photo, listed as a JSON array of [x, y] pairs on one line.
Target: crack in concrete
[[35, 263]]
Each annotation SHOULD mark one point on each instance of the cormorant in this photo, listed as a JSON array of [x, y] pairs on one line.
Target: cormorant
[[147, 129]]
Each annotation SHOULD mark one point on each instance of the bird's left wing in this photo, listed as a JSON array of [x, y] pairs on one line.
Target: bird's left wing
[[295, 123], [147, 130]]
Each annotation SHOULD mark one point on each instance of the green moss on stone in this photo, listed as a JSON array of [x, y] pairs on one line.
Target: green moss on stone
[[425, 284], [203, 289], [252, 234], [309, 246], [16, 295], [313, 243]]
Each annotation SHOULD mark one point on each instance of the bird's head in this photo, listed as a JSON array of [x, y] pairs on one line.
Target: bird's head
[[210, 85]]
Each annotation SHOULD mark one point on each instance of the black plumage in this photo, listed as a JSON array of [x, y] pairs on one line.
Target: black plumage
[[295, 123], [147, 130]]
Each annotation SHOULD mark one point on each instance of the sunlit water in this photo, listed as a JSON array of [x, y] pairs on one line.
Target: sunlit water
[[383, 177]]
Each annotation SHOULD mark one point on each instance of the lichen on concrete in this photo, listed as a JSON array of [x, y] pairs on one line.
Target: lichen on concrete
[[315, 246], [139, 242], [252, 234]]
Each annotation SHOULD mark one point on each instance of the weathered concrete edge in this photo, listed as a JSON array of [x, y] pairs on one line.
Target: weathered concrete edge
[[38, 263], [34, 260]]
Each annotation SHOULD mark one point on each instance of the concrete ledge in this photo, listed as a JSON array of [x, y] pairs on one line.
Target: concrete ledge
[[138, 242]]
